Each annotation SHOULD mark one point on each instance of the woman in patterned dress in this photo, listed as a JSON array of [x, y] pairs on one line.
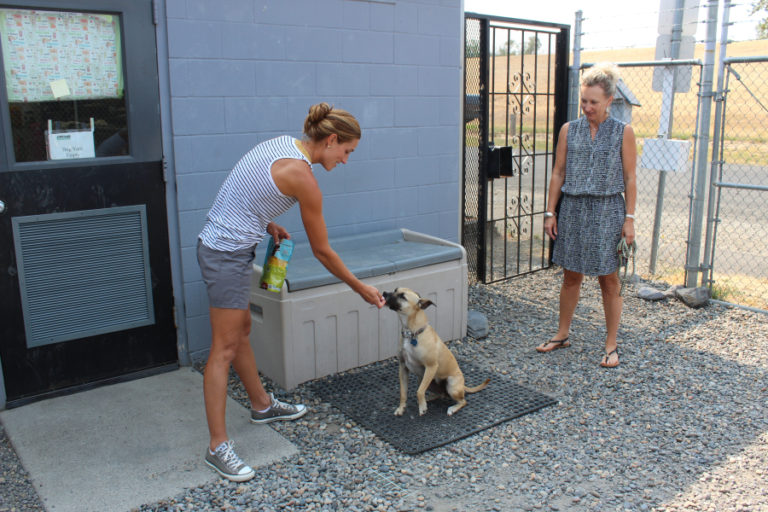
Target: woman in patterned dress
[[594, 172]]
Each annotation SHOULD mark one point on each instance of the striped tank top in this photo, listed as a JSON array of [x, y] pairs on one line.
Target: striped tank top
[[249, 198]]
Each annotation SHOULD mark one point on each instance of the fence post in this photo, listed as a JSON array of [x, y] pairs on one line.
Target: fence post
[[692, 262], [717, 163], [573, 90], [666, 131]]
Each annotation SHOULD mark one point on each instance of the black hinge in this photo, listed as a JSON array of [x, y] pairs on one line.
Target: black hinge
[[155, 12], [165, 170]]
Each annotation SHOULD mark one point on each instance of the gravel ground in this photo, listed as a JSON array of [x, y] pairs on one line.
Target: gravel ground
[[680, 425]]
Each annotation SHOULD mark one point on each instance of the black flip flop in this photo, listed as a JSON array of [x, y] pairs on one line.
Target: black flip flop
[[604, 362], [558, 344]]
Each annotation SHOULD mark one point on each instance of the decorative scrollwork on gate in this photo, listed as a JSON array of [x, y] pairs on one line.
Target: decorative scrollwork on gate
[[525, 204], [530, 84], [526, 141], [525, 229], [513, 85], [514, 104], [528, 103], [521, 206], [512, 206], [521, 82], [512, 230], [526, 165], [520, 103]]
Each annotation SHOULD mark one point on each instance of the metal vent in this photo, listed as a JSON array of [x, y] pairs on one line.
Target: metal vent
[[83, 273]]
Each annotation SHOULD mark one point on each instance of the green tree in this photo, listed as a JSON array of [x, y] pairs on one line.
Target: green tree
[[510, 48], [533, 43], [472, 48], [761, 6]]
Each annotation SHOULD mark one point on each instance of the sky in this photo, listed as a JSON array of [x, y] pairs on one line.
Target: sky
[[618, 23]]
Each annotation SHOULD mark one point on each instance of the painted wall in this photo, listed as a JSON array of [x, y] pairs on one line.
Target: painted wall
[[243, 71]]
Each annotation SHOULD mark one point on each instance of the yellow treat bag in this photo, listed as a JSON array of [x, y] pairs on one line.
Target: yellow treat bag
[[276, 264]]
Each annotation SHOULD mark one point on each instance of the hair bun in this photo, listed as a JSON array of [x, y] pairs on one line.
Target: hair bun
[[610, 70], [324, 120], [604, 74], [317, 113]]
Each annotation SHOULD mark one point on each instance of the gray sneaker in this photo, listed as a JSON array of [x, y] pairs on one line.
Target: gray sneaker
[[278, 411], [226, 462]]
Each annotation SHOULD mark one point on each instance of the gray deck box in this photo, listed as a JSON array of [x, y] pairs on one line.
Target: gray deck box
[[317, 326]]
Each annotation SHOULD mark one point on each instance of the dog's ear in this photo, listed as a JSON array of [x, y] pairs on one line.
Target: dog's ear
[[425, 303]]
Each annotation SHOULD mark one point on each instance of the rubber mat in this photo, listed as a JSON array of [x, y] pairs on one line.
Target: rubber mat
[[370, 394]]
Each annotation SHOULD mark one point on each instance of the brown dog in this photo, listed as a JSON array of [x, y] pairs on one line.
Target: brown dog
[[424, 353]]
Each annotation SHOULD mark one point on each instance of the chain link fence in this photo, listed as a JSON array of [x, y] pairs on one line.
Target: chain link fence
[[661, 99], [738, 217], [471, 166]]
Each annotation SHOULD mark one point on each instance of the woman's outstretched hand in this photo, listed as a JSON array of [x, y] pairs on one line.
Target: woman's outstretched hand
[[372, 296]]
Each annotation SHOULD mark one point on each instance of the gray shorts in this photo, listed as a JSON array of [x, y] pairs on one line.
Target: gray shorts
[[227, 276]]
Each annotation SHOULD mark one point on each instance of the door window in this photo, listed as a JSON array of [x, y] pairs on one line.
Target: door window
[[64, 81]]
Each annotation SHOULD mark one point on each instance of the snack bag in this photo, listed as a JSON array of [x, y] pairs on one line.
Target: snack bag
[[276, 264]]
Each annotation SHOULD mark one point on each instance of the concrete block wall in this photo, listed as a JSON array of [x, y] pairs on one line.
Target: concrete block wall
[[243, 71]]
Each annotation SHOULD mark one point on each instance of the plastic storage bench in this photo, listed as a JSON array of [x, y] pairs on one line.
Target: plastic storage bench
[[317, 326]]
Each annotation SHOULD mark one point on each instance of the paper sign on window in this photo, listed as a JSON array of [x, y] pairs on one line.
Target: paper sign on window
[[41, 48], [67, 144]]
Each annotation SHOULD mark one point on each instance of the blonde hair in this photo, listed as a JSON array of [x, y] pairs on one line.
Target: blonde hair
[[604, 74], [324, 120]]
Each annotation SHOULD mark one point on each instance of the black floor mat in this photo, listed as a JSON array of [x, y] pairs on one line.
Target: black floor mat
[[370, 395]]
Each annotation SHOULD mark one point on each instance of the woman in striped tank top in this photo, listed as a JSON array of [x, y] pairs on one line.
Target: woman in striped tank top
[[265, 183], [594, 173]]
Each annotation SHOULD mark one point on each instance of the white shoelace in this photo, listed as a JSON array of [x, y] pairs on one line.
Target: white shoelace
[[227, 454]]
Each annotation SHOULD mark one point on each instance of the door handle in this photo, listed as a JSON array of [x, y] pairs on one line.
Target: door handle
[[2, 206]]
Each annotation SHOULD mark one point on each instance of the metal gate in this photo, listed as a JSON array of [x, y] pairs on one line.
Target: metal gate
[[736, 250], [515, 101]]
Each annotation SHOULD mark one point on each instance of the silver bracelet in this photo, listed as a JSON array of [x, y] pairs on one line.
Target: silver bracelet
[[630, 216]]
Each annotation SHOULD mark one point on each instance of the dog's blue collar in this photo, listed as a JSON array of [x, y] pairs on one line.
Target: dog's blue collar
[[408, 334]]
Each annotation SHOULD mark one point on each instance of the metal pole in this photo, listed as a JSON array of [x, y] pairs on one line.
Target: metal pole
[[665, 124], [719, 189], [717, 163], [573, 89], [694, 240]]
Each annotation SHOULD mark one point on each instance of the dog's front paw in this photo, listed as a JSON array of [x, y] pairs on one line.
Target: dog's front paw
[[400, 410], [422, 409]]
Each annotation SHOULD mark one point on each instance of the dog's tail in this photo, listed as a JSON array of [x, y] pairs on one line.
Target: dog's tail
[[477, 388]]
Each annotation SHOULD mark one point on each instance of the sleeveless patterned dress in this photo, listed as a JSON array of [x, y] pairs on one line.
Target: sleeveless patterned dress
[[592, 207]]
